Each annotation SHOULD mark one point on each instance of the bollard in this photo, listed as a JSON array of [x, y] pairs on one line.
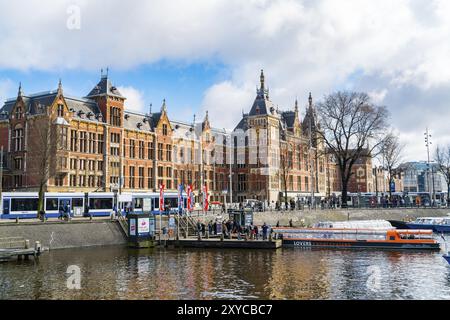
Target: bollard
[[17, 219], [90, 217], [221, 237], [37, 246], [246, 237], [27, 244], [207, 234], [199, 237], [270, 237]]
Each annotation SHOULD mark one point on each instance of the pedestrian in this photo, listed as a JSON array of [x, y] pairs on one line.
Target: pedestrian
[[256, 233], [265, 227], [278, 223], [66, 211], [290, 223], [60, 212]]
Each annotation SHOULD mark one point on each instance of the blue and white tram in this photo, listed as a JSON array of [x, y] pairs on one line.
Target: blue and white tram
[[56, 200], [100, 203], [150, 200], [19, 205]]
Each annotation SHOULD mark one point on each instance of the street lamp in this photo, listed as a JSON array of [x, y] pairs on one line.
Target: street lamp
[[427, 144]]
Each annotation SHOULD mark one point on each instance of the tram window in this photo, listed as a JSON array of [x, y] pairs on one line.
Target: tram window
[[77, 202], [51, 204], [171, 202], [24, 204], [138, 203], [100, 203], [156, 202]]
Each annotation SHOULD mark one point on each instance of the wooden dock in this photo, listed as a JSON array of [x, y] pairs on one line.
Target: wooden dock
[[8, 254], [19, 247], [222, 244]]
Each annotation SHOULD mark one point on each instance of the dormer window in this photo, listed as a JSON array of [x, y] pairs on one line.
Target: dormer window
[[19, 113], [60, 110]]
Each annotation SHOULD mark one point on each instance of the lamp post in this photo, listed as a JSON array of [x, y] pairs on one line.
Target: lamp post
[[427, 144]]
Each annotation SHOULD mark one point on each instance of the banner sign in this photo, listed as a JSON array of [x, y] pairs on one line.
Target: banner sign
[[161, 198]]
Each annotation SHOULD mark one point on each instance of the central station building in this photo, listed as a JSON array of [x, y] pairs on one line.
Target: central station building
[[61, 143]]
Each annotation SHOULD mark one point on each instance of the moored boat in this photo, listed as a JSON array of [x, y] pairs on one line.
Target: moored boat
[[437, 224], [357, 238], [447, 257]]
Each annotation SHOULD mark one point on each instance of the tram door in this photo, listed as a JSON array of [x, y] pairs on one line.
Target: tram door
[[65, 201], [6, 206]]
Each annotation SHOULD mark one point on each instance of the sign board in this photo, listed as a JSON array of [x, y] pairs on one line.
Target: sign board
[[147, 205], [143, 225], [152, 225], [224, 191], [78, 211], [392, 186], [132, 227], [248, 218], [124, 198], [218, 228]]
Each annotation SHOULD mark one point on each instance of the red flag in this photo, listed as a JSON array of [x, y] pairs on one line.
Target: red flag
[[188, 191], [205, 198], [161, 198]]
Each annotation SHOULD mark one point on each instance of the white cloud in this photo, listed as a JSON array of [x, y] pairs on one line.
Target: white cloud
[[225, 104], [135, 99], [318, 46], [6, 86]]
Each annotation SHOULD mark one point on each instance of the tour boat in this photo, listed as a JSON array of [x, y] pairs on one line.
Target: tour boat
[[357, 238], [437, 224]]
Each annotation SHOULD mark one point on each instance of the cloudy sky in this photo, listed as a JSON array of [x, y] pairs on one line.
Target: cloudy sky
[[207, 55]]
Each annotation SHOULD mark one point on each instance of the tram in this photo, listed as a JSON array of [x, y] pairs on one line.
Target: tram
[[24, 205]]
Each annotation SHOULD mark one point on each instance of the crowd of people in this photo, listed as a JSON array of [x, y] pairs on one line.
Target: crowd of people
[[229, 227]]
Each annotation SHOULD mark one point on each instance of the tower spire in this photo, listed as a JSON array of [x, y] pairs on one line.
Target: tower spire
[[163, 107], [261, 80], [60, 86], [20, 93], [296, 105], [310, 100]]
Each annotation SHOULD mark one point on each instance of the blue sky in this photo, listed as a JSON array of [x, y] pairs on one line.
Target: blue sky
[[182, 85], [206, 55]]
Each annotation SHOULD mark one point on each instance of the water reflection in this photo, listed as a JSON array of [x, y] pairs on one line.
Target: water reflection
[[118, 273]]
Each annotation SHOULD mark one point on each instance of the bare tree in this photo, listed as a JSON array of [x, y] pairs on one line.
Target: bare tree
[[442, 158], [285, 167], [351, 128], [391, 153], [42, 149]]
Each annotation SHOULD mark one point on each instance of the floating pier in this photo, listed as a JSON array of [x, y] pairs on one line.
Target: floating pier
[[225, 243]]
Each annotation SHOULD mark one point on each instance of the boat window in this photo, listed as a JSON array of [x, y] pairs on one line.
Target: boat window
[[392, 238], [24, 204], [100, 203]]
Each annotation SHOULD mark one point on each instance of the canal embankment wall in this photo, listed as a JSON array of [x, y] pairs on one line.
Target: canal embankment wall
[[64, 235], [309, 217]]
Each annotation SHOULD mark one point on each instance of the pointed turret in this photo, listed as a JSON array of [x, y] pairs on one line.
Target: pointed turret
[[60, 90], [164, 107], [20, 92]]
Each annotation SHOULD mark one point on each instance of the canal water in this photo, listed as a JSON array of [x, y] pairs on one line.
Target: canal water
[[119, 273]]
